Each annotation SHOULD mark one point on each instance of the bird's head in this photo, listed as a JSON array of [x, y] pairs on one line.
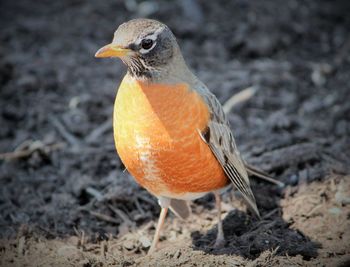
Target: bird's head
[[146, 46]]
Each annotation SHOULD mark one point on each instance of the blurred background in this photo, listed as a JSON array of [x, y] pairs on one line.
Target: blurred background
[[59, 172]]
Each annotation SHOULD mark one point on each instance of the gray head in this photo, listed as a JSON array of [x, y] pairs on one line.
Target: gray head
[[146, 46]]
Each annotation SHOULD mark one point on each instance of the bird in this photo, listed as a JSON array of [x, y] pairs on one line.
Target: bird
[[170, 131]]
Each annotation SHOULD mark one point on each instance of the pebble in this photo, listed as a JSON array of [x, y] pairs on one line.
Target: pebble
[[335, 210], [146, 243], [341, 198], [129, 244]]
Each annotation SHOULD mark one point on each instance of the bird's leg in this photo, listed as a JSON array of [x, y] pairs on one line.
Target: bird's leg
[[220, 239], [164, 203]]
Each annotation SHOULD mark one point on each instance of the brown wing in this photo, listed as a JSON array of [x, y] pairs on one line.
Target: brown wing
[[219, 137]]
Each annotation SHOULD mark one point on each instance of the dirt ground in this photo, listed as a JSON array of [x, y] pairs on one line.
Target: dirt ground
[[65, 199]]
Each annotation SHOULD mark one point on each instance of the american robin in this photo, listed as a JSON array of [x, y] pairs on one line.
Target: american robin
[[170, 131]]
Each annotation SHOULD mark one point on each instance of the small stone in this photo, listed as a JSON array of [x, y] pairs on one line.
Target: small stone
[[21, 244], [335, 210], [145, 241], [129, 244], [293, 179], [341, 198]]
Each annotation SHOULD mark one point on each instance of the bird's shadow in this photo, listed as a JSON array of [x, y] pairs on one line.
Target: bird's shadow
[[248, 237]]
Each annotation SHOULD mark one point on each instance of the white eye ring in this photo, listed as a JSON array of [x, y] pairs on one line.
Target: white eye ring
[[146, 50], [152, 37]]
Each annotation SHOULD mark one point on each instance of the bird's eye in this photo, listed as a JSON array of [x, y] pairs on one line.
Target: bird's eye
[[146, 43]]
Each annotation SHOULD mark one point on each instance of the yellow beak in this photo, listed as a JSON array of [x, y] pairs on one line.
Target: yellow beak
[[112, 50]]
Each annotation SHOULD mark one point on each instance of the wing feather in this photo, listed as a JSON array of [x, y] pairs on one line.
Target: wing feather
[[219, 137]]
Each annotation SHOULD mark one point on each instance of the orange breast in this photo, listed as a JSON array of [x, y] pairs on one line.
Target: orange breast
[[156, 135]]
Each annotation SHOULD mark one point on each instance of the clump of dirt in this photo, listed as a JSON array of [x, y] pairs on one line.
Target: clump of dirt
[[64, 195]]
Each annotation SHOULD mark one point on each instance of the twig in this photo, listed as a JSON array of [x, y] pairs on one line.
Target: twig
[[104, 217], [269, 214], [242, 96], [100, 130], [82, 239], [26, 152], [71, 139], [147, 200], [313, 210], [264, 225], [121, 214], [271, 180], [21, 245], [138, 206], [262, 175], [103, 249], [287, 156], [93, 192], [146, 227], [81, 235]]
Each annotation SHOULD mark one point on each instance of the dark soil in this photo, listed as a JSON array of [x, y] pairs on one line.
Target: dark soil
[[65, 198]]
